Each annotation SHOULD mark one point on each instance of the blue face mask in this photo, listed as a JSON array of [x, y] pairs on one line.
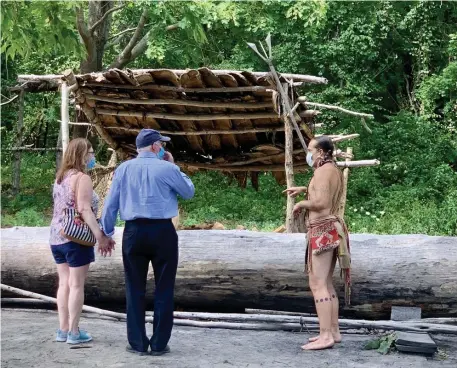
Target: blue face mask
[[91, 163], [309, 159], [161, 153]]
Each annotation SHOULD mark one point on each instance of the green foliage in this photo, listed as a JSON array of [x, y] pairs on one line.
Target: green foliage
[[439, 96], [32, 207], [47, 26], [383, 344], [216, 199], [25, 217]]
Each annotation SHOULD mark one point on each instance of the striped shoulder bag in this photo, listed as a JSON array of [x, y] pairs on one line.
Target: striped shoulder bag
[[74, 228]]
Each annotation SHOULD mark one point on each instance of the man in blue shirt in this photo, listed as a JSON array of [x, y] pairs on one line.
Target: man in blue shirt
[[144, 190]]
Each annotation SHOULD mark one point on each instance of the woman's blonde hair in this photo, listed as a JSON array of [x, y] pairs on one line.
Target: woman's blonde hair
[[74, 157]]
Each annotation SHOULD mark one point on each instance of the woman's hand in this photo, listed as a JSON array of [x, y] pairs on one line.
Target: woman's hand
[[295, 191], [105, 245]]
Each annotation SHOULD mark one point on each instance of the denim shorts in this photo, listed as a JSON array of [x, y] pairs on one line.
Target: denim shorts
[[76, 255]]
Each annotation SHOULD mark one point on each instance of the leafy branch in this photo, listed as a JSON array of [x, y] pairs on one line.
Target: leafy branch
[[102, 19], [131, 51]]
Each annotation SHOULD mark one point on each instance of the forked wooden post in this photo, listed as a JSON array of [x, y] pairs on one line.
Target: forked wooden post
[[289, 169], [345, 183]]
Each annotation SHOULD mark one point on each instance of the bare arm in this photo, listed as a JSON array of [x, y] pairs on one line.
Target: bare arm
[[320, 192], [295, 191], [84, 202]]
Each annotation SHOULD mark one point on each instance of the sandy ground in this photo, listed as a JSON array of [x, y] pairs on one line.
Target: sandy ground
[[27, 341]]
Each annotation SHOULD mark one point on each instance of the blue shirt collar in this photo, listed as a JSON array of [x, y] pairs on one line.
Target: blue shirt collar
[[147, 155]]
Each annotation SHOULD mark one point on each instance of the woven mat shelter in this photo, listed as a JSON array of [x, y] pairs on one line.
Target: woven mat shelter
[[226, 120]]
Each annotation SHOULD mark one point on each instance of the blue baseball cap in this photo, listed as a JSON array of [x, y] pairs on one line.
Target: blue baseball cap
[[147, 137]]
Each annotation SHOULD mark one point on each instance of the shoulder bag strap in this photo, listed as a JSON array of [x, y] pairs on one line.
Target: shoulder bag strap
[[76, 191]]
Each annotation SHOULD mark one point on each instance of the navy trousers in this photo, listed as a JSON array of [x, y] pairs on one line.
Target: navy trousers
[[145, 241]]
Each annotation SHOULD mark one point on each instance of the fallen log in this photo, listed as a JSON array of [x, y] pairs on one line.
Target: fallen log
[[233, 270]]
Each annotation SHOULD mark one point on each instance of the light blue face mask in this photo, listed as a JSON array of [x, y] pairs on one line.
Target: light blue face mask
[[91, 163], [161, 153], [309, 159]]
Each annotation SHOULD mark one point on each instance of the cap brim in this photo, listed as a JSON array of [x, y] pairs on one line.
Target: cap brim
[[165, 139]]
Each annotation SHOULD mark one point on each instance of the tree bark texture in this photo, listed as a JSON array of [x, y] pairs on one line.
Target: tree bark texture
[[233, 270]]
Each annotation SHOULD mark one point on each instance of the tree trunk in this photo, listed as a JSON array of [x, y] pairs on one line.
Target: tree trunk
[[233, 270], [95, 46]]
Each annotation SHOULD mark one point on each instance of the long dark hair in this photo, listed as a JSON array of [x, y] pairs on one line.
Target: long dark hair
[[325, 143]]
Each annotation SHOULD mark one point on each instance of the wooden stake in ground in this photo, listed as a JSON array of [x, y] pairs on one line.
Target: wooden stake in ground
[[289, 170], [345, 184]]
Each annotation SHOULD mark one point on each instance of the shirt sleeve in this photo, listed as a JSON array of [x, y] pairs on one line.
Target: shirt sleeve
[[111, 205], [181, 183]]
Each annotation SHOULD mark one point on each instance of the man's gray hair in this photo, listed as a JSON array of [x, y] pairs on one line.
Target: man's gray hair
[[144, 149], [147, 148]]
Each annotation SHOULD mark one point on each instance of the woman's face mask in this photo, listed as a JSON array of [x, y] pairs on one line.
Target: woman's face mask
[[91, 163]]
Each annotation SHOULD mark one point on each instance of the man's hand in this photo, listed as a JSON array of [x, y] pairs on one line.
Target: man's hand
[[169, 157], [295, 191], [297, 209]]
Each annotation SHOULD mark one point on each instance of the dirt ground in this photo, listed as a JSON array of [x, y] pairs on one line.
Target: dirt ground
[[27, 341]]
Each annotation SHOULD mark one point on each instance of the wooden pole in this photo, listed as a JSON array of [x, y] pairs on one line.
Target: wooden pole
[[309, 113], [288, 108], [272, 129], [360, 163], [296, 77], [177, 321], [64, 113], [156, 87], [280, 322], [59, 150], [17, 154], [264, 168], [32, 149], [181, 102], [198, 117], [289, 170], [261, 168], [345, 184], [302, 100], [10, 100], [342, 138]]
